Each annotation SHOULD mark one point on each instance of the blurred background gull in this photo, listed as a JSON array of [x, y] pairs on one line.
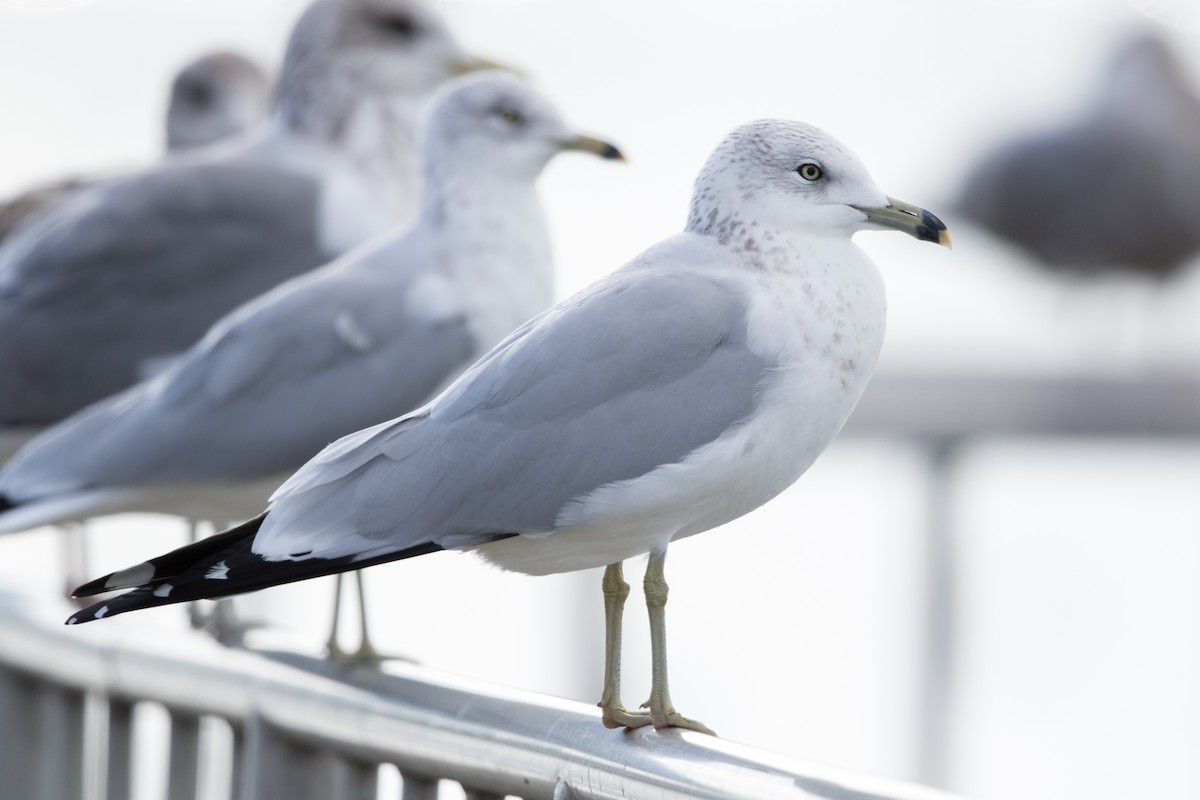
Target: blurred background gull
[[110, 287], [1070, 666], [1108, 201], [216, 96]]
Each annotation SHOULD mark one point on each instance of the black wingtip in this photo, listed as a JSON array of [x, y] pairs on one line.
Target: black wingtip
[[165, 567], [130, 601], [219, 566], [92, 587], [6, 504]]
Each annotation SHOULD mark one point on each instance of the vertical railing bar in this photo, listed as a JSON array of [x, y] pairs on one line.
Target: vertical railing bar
[[183, 760], [255, 741], [276, 766], [480, 794], [237, 764], [119, 751], [58, 731], [95, 746], [214, 761], [938, 672], [417, 787], [358, 780], [339, 777], [19, 756]]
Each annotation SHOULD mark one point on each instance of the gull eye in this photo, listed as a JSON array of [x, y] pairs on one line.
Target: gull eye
[[511, 116], [810, 172], [400, 25]]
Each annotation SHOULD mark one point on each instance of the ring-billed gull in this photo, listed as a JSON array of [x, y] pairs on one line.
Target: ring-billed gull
[[1114, 191], [103, 288], [681, 392], [214, 97], [373, 335]]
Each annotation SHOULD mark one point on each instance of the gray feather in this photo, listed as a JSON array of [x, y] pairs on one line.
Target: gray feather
[[636, 373], [270, 386], [137, 269]]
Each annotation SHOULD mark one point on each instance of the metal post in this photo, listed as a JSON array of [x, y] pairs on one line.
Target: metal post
[[18, 754], [183, 763], [237, 766], [416, 787], [119, 759], [341, 778], [938, 673], [58, 733]]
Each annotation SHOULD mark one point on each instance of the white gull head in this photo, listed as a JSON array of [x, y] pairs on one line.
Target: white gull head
[[793, 177]]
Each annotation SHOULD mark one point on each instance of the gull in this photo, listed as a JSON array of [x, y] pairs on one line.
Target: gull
[[214, 97], [372, 335], [682, 391], [217, 96], [1114, 191], [97, 293]]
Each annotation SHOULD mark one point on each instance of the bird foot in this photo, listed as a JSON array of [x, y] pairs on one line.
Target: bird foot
[[670, 718], [365, 656], [615, 715]]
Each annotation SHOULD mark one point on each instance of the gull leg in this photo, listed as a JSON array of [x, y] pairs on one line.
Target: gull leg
[[366, 652], [334, 650], [662, 711], [75, 557], [616, 590]]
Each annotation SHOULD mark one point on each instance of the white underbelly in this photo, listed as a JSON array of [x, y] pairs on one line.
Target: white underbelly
[[719, 482]]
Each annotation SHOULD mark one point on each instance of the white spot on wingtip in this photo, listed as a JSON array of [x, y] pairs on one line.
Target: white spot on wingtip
[[73, 621], [100, 612], [217, 572], [163, 590]]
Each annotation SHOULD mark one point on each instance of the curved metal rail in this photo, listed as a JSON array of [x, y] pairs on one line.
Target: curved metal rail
[[306, 728]]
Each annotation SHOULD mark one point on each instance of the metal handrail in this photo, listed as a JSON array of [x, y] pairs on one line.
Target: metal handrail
[[943, 411], [305, 727], [939, 405]]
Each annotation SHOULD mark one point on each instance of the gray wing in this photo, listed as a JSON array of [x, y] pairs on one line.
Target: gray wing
[[325, 354], [636, 373], [24, 208], [139, 268]]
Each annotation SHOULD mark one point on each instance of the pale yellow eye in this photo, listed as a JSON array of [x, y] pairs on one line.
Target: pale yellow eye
[[810, 172]]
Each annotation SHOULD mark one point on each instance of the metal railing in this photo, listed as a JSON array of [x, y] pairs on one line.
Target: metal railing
[[278, 724], [300, 727], [945, 412]]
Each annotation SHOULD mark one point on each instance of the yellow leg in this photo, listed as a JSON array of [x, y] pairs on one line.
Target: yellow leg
[[366, 652], [662, 711], [334, 650], [614, 714]]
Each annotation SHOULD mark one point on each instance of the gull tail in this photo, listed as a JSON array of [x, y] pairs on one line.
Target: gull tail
[[218, 566]]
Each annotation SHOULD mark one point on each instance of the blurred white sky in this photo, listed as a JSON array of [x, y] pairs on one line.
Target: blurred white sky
[[1083, 649]]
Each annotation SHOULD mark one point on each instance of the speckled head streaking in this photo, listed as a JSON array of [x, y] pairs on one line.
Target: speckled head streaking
[[791, 176], [342, 52], [216, 96]]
